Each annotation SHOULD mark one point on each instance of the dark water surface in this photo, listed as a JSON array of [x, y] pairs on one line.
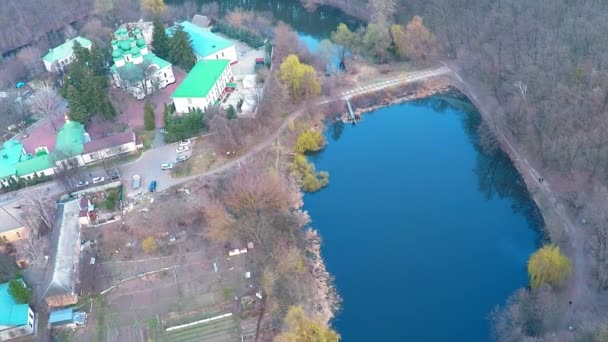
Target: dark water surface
[[318, 24], [423, 232]]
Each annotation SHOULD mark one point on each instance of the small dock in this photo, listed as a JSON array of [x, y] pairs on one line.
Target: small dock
[[351, 114]]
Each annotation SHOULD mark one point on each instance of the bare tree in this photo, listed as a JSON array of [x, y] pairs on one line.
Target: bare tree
[[12, 114], [32, 60], [47, 103], [32, 249], [38, 207], [67, 171]]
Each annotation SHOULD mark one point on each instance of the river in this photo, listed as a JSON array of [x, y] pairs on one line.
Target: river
[[424, 233]]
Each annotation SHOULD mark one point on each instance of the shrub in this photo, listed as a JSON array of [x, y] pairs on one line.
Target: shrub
[[310, 141], [311, 179], [111, 199], [250, 38], [548, 266], [18, 290], [148, 245], [231, 112], [149, 117], [184, 126]]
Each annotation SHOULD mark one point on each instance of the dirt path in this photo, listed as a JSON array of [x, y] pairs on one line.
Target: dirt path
[[374, 86], [577, 288]]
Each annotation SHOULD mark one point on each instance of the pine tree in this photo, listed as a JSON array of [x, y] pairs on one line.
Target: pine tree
[[160, 40], [149, 116], [78, 109], [180, 49], [97, 61]]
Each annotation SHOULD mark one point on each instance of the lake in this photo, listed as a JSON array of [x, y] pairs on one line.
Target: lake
[[423, 231], [318, 24]]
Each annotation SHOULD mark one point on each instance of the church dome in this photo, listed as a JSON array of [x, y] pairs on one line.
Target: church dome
[[141, 42], [116, 54], [135, 51], [125, 45]]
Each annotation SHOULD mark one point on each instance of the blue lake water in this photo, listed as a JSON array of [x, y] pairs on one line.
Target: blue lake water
[[424, 233]]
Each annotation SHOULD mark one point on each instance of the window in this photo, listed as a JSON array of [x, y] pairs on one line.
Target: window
[[189, 101], [165, 75], [18, 234], [31, 315], [41, 174], [222, 54]]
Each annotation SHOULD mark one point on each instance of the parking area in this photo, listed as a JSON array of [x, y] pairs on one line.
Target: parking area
[[148, 167]]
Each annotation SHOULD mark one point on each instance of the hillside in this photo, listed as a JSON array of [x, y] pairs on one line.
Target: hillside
[[32, 19]]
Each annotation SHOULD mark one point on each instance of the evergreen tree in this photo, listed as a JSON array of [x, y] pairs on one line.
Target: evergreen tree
[[97, 61], [180, 49], [149, 116], [231, 112], [78, 109], [160, 40]]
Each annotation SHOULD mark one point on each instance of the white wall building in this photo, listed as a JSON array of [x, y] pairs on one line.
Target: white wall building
[[208, 45], [203, 86], [61, 56], [16, 320]]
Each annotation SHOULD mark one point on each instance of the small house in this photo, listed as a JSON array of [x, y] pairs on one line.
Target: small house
[[66, 318]]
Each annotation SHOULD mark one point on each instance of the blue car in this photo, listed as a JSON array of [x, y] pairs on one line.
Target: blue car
[[152, 186]]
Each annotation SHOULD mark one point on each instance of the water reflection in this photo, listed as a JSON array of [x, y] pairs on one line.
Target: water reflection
[[319, 23]]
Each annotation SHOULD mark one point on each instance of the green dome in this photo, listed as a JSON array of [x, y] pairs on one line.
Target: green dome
[[123, 30], [114, 42], [125, 45], [131, 39], [141, 42], [135, 51], [137, 31], [116, 59], [135, 55], [116, 54]]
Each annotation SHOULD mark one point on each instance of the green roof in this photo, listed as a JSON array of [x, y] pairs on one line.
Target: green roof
[[10, 154], [65, 49], [201, 79], [125, 45], [204, 43], [151, 57], [141, 42], [34, 164], [11, 313], [70, 139]]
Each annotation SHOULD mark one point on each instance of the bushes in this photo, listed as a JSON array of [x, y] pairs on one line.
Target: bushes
[[231, 112], [111, 199], [311, 179], [250, 38], [149, 117], [19, 291], [184, 126], [148, 245], [310, 141]]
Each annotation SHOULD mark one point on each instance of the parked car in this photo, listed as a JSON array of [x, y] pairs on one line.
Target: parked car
[[136, 182], [98, 180], [166, 166], [182, 149], [181, 158], [82, 184], [162, 131], [114, 175], [153, 186], [185, 142]]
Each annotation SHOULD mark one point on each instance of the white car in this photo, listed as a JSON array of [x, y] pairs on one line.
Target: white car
[[185, 142], [182, 149], [166, 166], [98, 180], [136, 181]]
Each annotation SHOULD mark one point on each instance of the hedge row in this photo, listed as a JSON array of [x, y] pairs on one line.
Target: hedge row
[[250, 38]]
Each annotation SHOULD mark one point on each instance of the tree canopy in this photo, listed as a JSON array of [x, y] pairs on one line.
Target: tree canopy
[[86, 85], [180, 49], [300, 328], [160, 40], [300, 79], [548, 266], [19, 291]]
